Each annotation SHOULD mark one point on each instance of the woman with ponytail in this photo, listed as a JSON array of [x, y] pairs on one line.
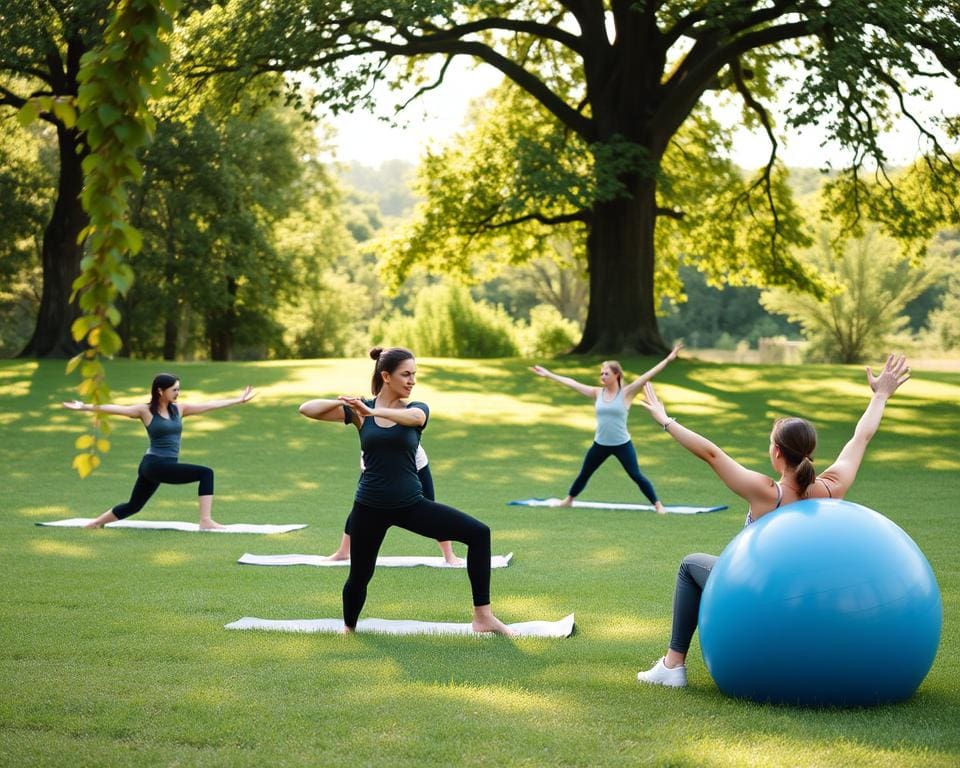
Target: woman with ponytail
[[390, 492], [163, 419], [792, 445]]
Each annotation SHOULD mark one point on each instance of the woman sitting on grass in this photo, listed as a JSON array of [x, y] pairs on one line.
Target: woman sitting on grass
[[390, 492], [612, 401], [792, 443], [163, 419]]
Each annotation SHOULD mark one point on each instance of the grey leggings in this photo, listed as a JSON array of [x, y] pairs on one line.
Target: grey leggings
[[691, 579]]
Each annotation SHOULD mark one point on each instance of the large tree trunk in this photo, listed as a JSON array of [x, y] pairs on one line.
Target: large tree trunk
[[620, 260], [60, 256]]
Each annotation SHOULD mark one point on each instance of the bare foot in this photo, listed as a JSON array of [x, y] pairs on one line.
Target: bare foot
[[338, 555], [94, 524], [211, 525], [485, 621], [454, 561], [349, 630], [661, 510], [567, 502]]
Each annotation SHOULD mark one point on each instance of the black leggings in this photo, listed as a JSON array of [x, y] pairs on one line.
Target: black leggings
[[691, 579], [427, 518], [626, 455], [155, 470], [426, 482]]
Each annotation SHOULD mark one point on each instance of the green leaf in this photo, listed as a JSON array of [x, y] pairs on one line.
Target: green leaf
[[65, 112], [108, 114], [28, 113]]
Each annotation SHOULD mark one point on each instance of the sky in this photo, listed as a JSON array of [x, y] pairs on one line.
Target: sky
[[435, 117]]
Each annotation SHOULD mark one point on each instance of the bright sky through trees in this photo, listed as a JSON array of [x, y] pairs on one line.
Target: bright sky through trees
[[432, 119]]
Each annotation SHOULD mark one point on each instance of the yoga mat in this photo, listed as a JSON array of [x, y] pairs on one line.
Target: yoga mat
[[556, 629], [673, 509], [496, 561], [175, 525]]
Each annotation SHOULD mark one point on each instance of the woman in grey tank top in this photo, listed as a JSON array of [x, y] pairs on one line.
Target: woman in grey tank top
[[612, 401]]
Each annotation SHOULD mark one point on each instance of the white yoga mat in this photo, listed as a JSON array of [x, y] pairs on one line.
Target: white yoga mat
[[175, 525], [673, 509], [557, 629], [496, 561]]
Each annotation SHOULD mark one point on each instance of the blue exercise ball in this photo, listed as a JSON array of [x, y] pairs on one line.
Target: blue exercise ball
[[821, 603]]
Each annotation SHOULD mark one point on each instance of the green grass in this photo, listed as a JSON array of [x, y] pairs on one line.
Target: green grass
[[112, 647]]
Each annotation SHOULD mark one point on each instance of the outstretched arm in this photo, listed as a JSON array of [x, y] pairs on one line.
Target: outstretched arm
[[583, 389], [324, 410], [750, 485], [138, 411], [840, 475], [631, 389], [188, 409]]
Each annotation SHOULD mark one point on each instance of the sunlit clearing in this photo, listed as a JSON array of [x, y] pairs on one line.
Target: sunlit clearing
[[52, 511], [306, 485], [170, 557], [49, 547]]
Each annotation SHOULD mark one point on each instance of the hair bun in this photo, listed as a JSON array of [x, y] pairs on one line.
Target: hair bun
[[375, 353]]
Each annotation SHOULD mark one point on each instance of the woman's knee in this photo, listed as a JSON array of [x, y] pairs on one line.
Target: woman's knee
[[206, 482]]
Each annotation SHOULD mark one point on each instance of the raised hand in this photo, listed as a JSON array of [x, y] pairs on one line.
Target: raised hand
[[539, 370], [676, 350], [895, 372], [74, 405], [652, 403], [248, 394]]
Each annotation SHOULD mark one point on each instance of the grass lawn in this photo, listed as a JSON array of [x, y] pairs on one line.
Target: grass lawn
[[112, 647]]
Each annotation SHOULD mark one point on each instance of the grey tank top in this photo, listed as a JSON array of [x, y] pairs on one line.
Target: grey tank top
[[611, 420], [165, 434]]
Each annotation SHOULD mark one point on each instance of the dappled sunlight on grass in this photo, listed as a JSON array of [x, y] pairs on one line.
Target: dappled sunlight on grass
[[630, 629], [210, 696], [610, 555], [514, 608], [520, 534], [307, 485], [776, 750], [60, 548], [498, 698], [169, 557], [52, 511], [907, 456]]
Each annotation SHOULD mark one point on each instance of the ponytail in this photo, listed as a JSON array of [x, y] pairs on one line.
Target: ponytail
[[161, 382], [797, 440], [386, 360]]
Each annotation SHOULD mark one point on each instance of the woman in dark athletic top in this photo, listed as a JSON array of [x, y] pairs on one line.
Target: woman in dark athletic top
[[389, 492], [792, 443], [163, 419]]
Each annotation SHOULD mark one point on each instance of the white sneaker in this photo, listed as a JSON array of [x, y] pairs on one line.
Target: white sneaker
[[660, 674]]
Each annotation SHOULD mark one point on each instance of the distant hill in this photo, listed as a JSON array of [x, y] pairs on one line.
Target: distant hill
[[390, 185]]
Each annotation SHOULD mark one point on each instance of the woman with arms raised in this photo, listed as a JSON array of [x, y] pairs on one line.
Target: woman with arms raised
[[163, 419], [792, 443]]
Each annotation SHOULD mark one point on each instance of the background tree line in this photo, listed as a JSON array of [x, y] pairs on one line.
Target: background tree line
[[254, 248]]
